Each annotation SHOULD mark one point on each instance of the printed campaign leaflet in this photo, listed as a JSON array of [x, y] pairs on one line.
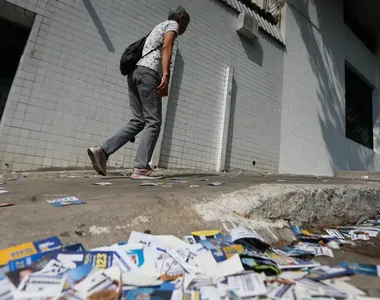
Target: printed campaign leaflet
[[335, 233], [247, 285], [213, 235], [221, 254], [279, 290], [189, 239], [74, 276], [147, 293], [220, 246], [6, 289], [295, 252], [70, 260], [27, 261], [285, 262], [372, 270], [326, 272], [168, 267], [319, 289], [29, 249], [108, 279], [39, 285], [66, 201], [243, 233]]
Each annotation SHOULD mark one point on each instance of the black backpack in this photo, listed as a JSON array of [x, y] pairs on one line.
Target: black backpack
[[132, 55]]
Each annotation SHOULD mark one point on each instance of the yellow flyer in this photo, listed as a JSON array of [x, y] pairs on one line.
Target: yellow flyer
[[16, 252], [232, 250], [206, 232]]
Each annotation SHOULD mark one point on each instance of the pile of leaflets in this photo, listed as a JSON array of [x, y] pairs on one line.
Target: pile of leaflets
[[203, 265]]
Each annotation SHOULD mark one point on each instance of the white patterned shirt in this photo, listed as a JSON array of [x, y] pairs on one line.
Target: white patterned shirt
[[155, 39]]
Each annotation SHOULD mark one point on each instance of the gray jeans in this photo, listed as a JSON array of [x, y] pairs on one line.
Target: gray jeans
[[146, 107]]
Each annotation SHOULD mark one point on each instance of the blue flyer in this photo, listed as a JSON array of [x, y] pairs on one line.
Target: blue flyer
[[137, 256], [24, 262], [66, 201], [51, 243], [364, 269], [147, 293], [99, 259], [76, 275], [27, 261], [75, 248], [218, 254]]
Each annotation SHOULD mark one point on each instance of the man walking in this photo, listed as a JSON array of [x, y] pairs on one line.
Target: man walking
[[147, 83]]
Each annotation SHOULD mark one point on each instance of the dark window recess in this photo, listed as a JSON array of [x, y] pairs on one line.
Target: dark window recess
[[367, 39], [13, 40], [359, 123], [261, 12]]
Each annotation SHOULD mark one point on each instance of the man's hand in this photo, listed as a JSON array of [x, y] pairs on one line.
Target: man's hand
[[162, 89]]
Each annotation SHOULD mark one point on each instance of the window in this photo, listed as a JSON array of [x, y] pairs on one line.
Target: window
[[359, 122], [358, 29]]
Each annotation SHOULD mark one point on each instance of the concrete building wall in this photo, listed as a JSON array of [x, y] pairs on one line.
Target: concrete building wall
[[313, 104], [68, 93]]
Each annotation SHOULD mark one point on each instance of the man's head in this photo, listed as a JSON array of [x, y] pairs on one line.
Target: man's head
[[181, 16]]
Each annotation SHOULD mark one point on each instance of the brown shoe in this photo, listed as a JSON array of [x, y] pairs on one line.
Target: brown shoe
[[98, 159]]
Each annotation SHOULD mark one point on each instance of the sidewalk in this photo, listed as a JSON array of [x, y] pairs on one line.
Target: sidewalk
[[116, 209]]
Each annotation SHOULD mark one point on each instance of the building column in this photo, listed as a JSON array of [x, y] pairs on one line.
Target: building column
[[225, 121], [376, 103]]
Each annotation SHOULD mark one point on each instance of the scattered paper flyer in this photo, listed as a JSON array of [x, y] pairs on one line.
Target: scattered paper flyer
[[360, 236], [244, 233], [66, 201], [3, 191], [327, 272], [323, 251], [364, 269], [103, 183], [247, 285], [345, 287], [40, 285], [335, 233], [148, 184]]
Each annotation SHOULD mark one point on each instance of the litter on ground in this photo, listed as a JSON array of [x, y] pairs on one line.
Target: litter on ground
[[103, 183], [6, 204], [66, 201], [201, 265]]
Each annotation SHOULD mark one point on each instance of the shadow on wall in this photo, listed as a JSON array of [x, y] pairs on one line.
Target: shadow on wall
[[179, 65], [252, 49], [344, 153], [102, 31], [231, 125]]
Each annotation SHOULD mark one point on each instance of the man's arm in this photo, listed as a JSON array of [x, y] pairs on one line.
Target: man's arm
[[167, 51]]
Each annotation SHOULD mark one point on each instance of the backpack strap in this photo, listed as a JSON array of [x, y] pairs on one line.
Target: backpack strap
[[150, 50]]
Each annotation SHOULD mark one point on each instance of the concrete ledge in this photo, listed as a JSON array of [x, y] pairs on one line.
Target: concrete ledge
[[268, 207]]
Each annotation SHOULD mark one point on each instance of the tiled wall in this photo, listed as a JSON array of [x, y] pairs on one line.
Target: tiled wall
[[68, 93], [313, 115]]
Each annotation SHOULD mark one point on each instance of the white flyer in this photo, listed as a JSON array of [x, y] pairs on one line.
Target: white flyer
[[335, 233], [247, 285], [323, 251], [7, 289], [53, 267], [98, 281], [363, 237], [242, 233], [40, 285], [185, 259]]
